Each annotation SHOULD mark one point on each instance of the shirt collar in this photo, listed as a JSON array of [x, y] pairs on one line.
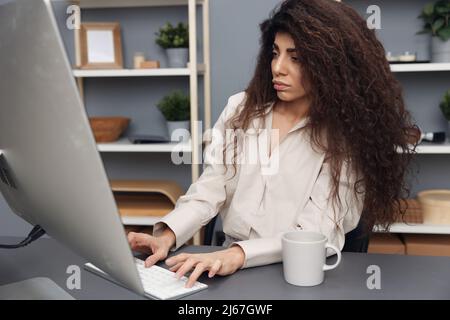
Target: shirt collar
[[269, 116]]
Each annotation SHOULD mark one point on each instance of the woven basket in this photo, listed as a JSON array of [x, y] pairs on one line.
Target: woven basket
[[108, 129]]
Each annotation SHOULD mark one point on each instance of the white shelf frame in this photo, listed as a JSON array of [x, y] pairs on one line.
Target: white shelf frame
[[124, 145], [420, 67], [91, 4], [417, 228], [443, 148], [158, 72]]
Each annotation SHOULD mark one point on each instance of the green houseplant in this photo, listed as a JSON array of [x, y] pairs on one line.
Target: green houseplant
[[175, 41], [175, 108], [445, 108], [436, 18]]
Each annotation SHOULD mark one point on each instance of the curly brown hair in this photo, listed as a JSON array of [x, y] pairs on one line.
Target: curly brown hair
[[357, 103]]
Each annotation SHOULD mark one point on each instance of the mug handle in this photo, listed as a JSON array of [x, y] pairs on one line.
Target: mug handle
[[327, 267]]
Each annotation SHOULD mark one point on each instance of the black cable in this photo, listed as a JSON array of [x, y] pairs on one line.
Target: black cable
[[34, 234]]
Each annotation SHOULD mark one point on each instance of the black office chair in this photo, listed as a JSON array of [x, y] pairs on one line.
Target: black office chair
[[356, 240]]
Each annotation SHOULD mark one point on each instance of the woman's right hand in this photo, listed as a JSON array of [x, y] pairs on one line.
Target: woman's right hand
[[157, 247]]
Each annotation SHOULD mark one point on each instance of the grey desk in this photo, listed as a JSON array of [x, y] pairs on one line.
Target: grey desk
[[402, 277]]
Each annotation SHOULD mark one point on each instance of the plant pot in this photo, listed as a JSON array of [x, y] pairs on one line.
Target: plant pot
[[179, 130], [177, 57], [422, 43], [440, 50]]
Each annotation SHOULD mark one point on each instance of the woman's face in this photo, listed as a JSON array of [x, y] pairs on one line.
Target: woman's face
[[286, 69]]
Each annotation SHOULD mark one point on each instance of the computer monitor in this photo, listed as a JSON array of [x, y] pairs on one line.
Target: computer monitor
[[52, 174]]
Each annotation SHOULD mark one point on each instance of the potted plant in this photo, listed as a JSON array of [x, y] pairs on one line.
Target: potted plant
[[445, 108], [436, 17], [176, 110], [175, 40]]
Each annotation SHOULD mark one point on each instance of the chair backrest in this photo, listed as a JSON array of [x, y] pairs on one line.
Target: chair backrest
[[357, 240]]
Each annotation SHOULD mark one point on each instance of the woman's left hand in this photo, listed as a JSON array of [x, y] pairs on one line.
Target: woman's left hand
[[224, 262]]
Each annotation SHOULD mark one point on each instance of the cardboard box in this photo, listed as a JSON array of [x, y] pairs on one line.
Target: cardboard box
[[413, 212], [386, 243], [427, 244]]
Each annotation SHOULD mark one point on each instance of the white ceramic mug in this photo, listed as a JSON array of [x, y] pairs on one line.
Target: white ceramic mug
[[304, 256]]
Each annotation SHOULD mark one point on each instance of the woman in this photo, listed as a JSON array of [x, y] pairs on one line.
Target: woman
[[337, 143]]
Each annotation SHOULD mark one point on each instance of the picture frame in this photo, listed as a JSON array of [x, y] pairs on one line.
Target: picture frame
[[100, 45]]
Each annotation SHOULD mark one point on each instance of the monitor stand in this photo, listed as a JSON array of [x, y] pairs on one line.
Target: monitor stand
[[34, 289]]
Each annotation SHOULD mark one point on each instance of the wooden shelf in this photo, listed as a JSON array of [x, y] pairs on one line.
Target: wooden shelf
[[433, 148], [124, 145], [157, 72], [420, 67], [169, 188], [417, 228], [131, 3], [144, 202]]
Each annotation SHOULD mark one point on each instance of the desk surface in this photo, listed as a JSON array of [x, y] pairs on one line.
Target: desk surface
[[402, 277]]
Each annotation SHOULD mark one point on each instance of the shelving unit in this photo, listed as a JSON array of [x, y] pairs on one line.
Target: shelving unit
[[423, 148], [192, 70]]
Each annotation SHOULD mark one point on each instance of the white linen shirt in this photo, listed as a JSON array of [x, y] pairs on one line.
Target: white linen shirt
[[287, 191]]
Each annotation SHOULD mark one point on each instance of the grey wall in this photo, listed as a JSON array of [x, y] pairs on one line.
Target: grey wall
[[234, 46]]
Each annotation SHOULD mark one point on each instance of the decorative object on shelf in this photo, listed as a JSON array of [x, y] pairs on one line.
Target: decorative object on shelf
[[417, 135], [138, 58], [175, 40], [407, 56], [435, 205], [445, 108], [149, 64], [176, 110], [436, 18], [100, 46], [391, 57], [435, 137], [108, 129], [414, 135]]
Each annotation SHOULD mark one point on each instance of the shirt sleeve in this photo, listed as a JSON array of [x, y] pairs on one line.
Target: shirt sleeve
[[318, 215], [205, 197]]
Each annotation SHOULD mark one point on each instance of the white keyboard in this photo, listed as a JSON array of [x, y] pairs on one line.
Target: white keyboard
[[160, 283]]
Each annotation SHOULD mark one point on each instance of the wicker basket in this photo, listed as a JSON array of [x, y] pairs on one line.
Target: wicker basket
[[435, 206], [108, 129]]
